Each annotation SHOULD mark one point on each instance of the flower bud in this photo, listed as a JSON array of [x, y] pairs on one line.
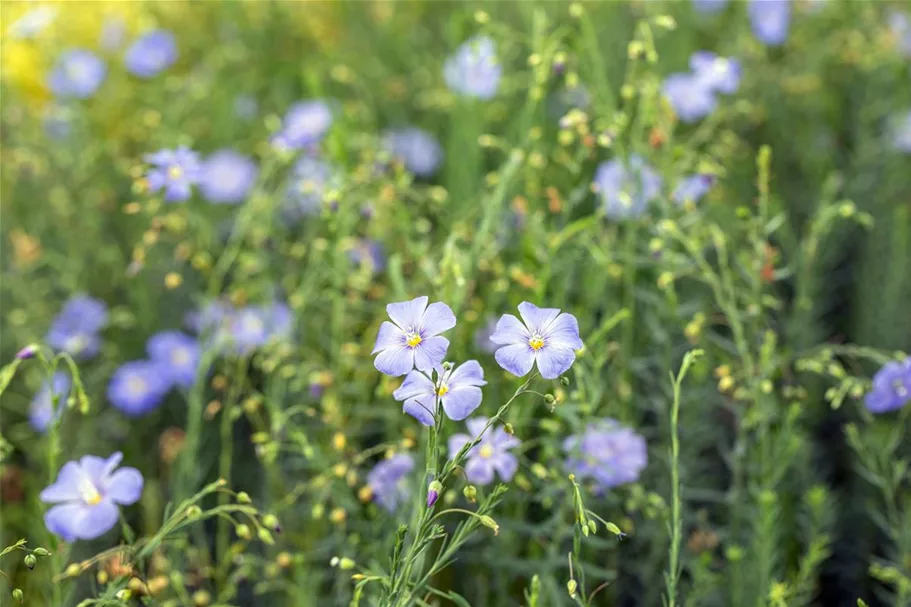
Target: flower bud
[[549, 399], [433, 493], [264, 536], [470, 493], [30, 561], [41, 552], [615, 530], [27, 352], [271, 521], [193, 511], [18, 595], [124, 595], [489, 522], [592, 526], [243, 531], [243, 498], [571, 587], [345, 563], [507, 427], [564, 380]]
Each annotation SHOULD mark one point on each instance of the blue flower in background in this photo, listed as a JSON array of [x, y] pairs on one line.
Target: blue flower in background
[[891, 387], [709, 6], [174, 171], [693, 188], [770, 20], [368, 252], [626, 190], [900, 26], [458, 389], [41, 410], [474, 70], [78, 73], [138, 387], [489, 456], [718, 74], [690, 96], [87, 494], [305, 124], [417, 149], [226, 177], [547, 338], [152, 53], [310, 179], [75, 329], [607, 454], [412, 340], [901, 133], [482, 336], [255, 326], [388, 481], [176, 354]]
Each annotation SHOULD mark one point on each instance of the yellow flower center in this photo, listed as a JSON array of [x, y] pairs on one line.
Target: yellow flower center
[[486, 451], [536, 342], [89, 493], [442, 390], [413, 340], [175, 172], [136, 385], [93, 499], [180, 357]]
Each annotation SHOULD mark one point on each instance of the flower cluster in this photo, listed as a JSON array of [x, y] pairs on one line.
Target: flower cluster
[[692, 94], [87, 494], [304, 125], [891, 387], [76, 328], [139, 386], [231, 330], [174, 171], [607, 453]]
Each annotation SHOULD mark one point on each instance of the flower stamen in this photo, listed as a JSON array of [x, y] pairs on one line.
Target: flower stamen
[[413, 339], [536, 342], [486, 451]]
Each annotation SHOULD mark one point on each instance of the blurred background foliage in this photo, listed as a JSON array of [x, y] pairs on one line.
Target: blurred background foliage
[[792, 494]]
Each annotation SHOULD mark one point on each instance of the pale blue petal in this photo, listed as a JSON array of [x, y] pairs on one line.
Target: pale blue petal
[[475, 426], [407, 314], [518, 359], [553, 361], [66, 487], [389, 336], [415, 384], [461, 402], [123, 486], [502, 441], [468, 373], [437, 318], [537, 319], [506, 465], [510, 330], [96, 520], [564, 333], [418, 410], [99, 468], [430, 353], [479, 471], [62, 520], [395, 361]]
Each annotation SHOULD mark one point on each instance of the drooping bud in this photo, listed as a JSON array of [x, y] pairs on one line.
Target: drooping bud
[[30, 561], [470, 493], [18, 596], [489, 522], [571, 587], [271, 521], [41, 552], [244, 498], [243, 531], [27, 352], [433, 493], [264, 536], [549, 399]]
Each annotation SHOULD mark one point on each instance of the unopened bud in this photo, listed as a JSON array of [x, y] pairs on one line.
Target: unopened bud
[[571, 587], [433, 493], [264, 536], [25, 353], [41, 552], [30, 561], [507, 427], [18, 595], [243, 531], [470, 493], [489, 522], [193, 511], [124, 595], [592, 526], [243, 498], [549, 399], [271, 521], [564, 380], [345, 563], [615, 530]]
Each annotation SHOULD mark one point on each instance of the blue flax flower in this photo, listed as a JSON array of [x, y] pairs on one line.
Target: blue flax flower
[[607, 453], [412, 340], [626, 190], [138, 387], [41, 410], [693, 188], [547, 338], [891, 387], [709, 6], [87, 494], [175, 171], [690, 96], [459, 391], [75, 329], [226, 177], [901, 133], [417, 149], [310, 180], [474, 70], [488, 456], [177, 356], [368, 252], [78, 73], [718, 74], [770, 20], [304, 125], [388, 481], [256, 326], [151, 54]]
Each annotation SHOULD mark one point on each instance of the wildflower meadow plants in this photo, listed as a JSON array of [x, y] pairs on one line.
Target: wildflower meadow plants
[[424, 304]]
